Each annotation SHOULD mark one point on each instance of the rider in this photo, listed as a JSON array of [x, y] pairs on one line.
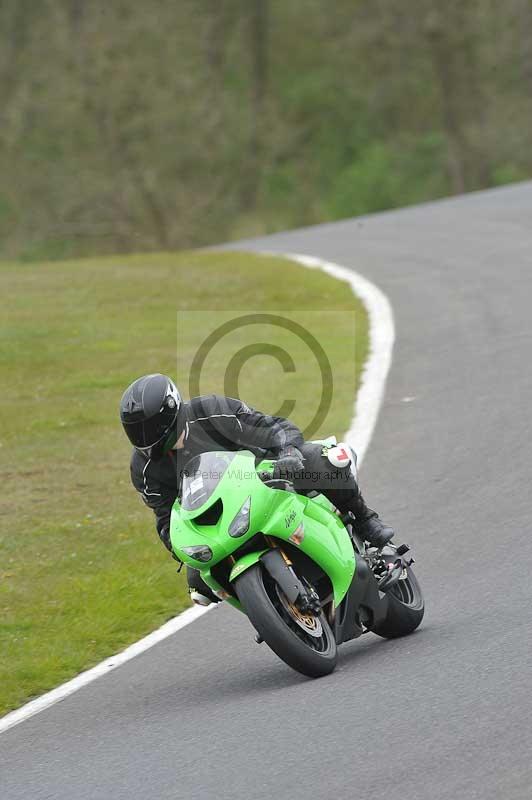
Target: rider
[[166, 432]]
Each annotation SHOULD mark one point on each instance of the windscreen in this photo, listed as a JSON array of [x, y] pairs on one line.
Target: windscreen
[[201, 476]]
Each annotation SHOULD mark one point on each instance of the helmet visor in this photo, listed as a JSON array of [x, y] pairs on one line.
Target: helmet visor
[[145, 433]]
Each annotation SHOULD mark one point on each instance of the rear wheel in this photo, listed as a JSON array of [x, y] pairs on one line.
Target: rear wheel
[[303, 641], [406, 608]]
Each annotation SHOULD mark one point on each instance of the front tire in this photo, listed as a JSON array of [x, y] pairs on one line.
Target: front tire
[[406, 608], [310, 655]]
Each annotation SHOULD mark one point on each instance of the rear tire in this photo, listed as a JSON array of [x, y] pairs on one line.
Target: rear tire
[[316, 657], [406, 608]]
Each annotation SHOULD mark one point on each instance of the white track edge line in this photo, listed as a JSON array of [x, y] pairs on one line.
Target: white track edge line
[[365, 412], [381, 339], [103, 668]]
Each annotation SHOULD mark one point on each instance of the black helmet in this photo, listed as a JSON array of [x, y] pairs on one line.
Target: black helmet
[[153, 414]]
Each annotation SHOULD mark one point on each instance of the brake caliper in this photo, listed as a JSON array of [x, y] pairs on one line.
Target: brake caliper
[[309, 603]]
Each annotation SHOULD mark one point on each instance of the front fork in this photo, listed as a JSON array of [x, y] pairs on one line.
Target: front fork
[[297, 591]]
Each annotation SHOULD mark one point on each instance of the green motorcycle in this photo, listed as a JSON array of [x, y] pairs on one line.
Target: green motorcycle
[[290, 562]]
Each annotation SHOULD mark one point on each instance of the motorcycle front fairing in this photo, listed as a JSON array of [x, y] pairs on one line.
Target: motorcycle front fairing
[[221, 486]]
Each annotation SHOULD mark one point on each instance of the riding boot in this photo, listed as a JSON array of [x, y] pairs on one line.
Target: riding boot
[[200, 593], [368, 524]]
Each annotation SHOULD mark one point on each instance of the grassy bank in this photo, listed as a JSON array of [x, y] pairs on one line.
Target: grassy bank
[[82, 573]]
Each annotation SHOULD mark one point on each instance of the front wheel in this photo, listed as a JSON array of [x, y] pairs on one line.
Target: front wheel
[[304, 642], [406, 608]]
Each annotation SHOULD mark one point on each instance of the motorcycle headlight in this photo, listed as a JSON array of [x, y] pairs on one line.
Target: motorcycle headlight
[[240, 524], [199, 552]]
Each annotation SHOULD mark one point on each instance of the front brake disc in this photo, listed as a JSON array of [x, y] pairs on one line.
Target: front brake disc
[[307, 622]]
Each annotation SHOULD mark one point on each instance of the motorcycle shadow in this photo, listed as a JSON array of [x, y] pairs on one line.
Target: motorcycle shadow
[[261, 677]]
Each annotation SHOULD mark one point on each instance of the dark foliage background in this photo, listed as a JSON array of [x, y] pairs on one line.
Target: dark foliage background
[[169, 124]]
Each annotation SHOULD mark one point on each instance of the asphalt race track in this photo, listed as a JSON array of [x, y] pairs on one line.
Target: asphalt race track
[[445, 714]]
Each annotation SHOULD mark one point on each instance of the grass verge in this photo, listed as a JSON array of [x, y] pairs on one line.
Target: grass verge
[[82, 573]]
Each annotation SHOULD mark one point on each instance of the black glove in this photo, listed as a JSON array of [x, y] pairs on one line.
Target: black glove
[[289, 463]]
